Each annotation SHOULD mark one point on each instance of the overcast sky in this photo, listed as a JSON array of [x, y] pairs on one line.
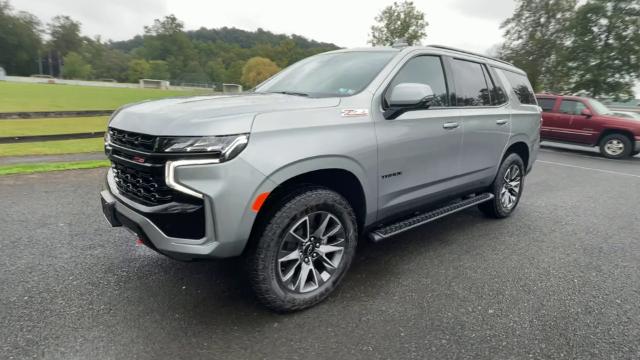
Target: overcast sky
[[468, 24]]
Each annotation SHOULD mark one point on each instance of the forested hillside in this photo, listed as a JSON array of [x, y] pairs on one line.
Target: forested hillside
[[164, 50]]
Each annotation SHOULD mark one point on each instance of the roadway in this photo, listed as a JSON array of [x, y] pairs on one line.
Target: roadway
[[560, 278]]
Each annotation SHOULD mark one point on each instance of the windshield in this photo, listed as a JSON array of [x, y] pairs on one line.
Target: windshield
[[328, 75], [600, 108]]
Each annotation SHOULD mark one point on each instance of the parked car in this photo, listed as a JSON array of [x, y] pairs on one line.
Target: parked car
[[588, 122], [627, 114], [336, 147]]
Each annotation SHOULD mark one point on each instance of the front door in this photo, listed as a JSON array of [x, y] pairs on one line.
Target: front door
[[581, 127], [568, 112], [418, 152]]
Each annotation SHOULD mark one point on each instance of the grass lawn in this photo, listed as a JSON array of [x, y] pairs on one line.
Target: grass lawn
[[52, 147], [52, 126], [42, 167], [16, 97]]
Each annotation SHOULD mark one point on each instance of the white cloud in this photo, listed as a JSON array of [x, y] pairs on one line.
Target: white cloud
[[112, 19], [486, 9], [471, 24]]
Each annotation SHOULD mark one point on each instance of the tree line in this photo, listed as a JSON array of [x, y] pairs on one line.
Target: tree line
[[566, 46], [164, 51]]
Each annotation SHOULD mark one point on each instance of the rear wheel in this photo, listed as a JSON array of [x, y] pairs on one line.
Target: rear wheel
[[304, 250], [615, 146], [506, 188]]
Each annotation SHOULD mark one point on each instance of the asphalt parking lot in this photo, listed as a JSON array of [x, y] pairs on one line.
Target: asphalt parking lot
[[559, 279]]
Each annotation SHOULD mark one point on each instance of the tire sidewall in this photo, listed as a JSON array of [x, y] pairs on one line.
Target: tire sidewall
[[499, 183], [625, 140], [270, 241]]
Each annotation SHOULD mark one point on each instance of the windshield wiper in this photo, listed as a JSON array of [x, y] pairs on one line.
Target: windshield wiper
[[295, 93]]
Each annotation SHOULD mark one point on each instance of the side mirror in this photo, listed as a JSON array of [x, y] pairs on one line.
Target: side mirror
[[408, 96], [587, 113]]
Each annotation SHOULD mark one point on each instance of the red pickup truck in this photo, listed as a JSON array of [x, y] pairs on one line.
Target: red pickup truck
[[585, 121]]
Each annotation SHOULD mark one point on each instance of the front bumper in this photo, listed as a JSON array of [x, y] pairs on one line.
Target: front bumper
[[228, 190]]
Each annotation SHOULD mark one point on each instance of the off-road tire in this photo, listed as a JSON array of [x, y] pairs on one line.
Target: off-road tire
[[495, 208], [262, 258]]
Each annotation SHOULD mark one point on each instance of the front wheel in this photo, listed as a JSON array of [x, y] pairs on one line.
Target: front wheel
[[615, 146], [304, 250], [506, 188]]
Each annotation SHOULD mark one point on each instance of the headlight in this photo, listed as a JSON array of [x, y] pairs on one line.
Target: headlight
[[225, 147]]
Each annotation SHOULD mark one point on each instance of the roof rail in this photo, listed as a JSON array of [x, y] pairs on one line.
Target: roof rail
[[470, 53]]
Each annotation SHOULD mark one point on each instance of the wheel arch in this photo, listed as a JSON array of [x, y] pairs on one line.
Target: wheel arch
[[611, 131], [341, 175], [521, 148]]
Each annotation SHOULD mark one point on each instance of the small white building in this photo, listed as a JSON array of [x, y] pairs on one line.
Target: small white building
[[154, 84], [231, 88], [3, 74]]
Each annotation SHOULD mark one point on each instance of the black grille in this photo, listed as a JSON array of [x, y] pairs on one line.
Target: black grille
[[132, 140], [146, 187], [138, 173]]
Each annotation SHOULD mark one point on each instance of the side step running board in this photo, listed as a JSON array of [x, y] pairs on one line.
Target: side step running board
[[421, 219]]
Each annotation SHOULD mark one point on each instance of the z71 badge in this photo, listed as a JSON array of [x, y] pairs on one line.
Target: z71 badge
[[354, 112]]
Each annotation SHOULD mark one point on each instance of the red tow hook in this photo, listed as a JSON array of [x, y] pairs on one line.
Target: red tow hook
[[139, 242]]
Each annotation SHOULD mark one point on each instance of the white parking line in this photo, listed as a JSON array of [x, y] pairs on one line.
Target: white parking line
[[595, 156], [588, 168]]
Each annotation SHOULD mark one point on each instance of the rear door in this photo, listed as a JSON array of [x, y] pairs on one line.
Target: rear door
[[549, 117], [486, 120], [557, 124]]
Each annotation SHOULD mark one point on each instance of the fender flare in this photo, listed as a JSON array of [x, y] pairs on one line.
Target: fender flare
[[331, 162]]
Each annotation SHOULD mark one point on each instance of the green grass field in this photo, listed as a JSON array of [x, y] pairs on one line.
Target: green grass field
[[42, 167], [52, 147], [16, 97], [52, 126]]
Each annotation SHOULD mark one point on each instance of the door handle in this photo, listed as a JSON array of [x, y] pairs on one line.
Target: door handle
[[502, 122], [451, 125]]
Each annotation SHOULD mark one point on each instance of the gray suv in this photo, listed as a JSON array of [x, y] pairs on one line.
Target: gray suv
[[338, 147]]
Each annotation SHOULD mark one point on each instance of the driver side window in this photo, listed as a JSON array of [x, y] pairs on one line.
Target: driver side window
[[426, 70]]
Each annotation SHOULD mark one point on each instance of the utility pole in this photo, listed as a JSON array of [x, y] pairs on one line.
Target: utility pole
[[39, 63], [50, 65], [60, 65]]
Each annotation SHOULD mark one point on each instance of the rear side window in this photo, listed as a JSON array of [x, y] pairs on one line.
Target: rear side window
[[426, 70], [572, 107], [521, 87], [546, 104], [471, 85]]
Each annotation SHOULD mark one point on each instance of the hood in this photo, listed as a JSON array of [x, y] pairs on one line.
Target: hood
[[635, 123], [208, 115]]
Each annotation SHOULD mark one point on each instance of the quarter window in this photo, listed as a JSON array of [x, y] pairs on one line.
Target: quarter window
[[471, 84], [426, 70], [572, 107], [521, 87]]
